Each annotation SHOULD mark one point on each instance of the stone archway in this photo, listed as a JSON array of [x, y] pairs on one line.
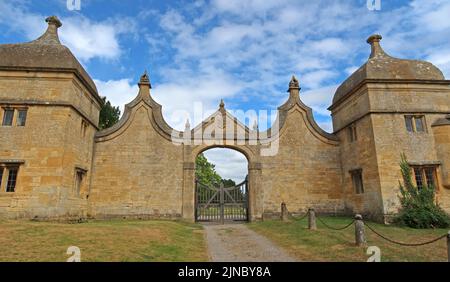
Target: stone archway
[[254, 179], [224, 201]]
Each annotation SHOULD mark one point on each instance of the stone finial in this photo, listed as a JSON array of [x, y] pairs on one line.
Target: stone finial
[[145, 80], [50, 37], [294, 88], [53, 20], [222, 104], [144, 86], [374, 41], [294, 84], [187, 125]]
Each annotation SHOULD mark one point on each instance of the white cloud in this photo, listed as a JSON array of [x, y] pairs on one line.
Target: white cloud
[[319, 99], [14, 15], [246, 51], [118, 92], [230, 164], [441, 58], [327, 126], [180, 96], [316, 78], [247, 8], [87, 39]]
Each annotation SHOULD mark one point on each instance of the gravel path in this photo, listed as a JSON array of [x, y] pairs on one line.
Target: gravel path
[[237, 243]]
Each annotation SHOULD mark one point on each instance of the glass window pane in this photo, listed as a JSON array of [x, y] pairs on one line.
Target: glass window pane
[[419, 124], [8, 117], [429, 173], [419, 177], [21, 117], [12, 177], [1, 177], [408, 122]]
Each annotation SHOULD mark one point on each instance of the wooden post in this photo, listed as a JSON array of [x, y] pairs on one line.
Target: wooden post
[[284, 212], [312, 219], [448, 246], [222, 203], [359, 231]]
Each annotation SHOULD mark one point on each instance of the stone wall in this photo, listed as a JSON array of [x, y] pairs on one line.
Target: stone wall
[[50, 145], [305, 172], [389, 104], [378, 111], [138, 172], [359, 154]]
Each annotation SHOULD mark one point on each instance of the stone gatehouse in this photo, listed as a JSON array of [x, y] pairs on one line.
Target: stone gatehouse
[[55, 163]]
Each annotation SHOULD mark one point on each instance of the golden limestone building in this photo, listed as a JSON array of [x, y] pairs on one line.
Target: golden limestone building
[[56, 164]]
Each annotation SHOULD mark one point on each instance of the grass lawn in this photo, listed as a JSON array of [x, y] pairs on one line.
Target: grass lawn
[[116, 240], [329, 245]]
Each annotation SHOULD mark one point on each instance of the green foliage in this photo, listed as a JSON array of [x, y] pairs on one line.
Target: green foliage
[[228, 182], [205, 172], [109, 115], [418, 206]]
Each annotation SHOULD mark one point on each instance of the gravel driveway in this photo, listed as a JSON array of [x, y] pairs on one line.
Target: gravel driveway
[[237, 243]]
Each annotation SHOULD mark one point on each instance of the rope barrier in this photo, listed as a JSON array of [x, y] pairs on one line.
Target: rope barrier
[[303, 216], [376, 232], [334, 228], [404, 244]]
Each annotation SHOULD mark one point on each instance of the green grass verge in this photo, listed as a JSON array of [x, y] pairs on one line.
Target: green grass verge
[[116, 240], [329, 245]]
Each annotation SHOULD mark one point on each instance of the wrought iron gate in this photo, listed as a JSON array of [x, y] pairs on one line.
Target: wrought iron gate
[[221, 203]]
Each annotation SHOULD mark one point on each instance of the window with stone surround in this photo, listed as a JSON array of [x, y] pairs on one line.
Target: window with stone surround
[[352, 136], [425, 175], [415, 123], [79, 177], [21, 117], [8, 177], [84, 126], [8, 115], [357, 181]]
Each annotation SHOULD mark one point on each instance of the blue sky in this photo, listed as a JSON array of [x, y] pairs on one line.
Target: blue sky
[[242, 51]]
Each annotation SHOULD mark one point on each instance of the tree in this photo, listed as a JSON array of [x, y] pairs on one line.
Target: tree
[[228, 182], [418, 206], [205, 172], [109, 115]]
